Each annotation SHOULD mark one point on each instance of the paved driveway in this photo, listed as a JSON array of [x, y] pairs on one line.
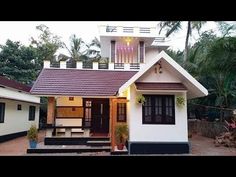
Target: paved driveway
[[199, 146]]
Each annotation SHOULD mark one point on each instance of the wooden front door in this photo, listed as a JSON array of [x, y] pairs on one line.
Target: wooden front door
[[99, 115]]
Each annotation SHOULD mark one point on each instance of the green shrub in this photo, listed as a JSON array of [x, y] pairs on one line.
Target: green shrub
[[140, 99], [180, 101], [121, 133], [32, 133]]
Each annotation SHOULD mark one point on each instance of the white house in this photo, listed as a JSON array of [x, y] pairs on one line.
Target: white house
[[18, 109], [93, 100]]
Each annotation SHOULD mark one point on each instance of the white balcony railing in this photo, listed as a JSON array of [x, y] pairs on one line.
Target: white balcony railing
[[132, 31], [94, 65]]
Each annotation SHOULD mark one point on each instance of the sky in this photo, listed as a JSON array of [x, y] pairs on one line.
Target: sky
[[23, 30]]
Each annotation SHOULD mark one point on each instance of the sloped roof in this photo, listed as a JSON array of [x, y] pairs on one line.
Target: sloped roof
[[13, 84], [76, 82], [195, 89]]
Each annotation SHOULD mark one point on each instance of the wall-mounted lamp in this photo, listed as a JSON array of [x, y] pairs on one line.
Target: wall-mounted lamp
[[128, 40], [160, 67]]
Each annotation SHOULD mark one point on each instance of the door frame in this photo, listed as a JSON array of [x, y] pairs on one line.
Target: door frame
[[107, 100]]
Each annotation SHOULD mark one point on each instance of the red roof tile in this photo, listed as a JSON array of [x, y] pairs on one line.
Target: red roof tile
[[77, 82], [159, 86], [13, 84]]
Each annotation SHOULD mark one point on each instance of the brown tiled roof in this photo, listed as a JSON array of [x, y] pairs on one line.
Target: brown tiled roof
[[80, 82], [13, 84], [159, 86]]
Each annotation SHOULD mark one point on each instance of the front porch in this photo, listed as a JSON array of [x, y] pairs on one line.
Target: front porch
[[84, 121]]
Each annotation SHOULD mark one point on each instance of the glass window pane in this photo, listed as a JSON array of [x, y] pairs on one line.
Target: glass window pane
[[88, 103]]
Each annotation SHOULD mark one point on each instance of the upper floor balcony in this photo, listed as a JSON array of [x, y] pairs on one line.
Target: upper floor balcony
[[106, 30]]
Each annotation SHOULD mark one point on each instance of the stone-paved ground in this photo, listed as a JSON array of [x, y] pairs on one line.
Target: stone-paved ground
[[18, 146], [199, 146]]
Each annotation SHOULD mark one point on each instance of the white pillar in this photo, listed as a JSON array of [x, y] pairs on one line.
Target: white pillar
[[95, 65], [136, 30], [79, 65], [46, 63], [126, 66], [111, 66], [141, 65], [63, 64]]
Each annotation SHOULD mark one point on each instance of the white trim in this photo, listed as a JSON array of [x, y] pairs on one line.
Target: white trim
[[157, 91], [20, 96], [144, 53], [169, 60], [50, 95]]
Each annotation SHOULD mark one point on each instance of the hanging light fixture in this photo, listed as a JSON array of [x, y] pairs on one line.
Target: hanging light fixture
[[128, 40], [160, 67]]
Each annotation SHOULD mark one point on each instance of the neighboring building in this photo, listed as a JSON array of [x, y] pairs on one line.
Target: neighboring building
[[91, 100], [18, 109]]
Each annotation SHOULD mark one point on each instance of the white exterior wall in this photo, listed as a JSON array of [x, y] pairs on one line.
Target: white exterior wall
[[165, 76], [150, 53], [106, 47], [21, 96], [157, 132], [153, 132], [17, 120]]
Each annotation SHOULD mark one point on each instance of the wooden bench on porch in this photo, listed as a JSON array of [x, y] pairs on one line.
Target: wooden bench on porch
[[68, 130]]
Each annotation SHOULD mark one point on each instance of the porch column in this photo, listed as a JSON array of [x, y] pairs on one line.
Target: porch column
[[113, 122], [46, 63], [51, 110], [113, 115]]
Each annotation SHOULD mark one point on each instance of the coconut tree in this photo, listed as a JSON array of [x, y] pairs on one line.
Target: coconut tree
[[174, 26], [76, 48], [94, 49], [217, 70]]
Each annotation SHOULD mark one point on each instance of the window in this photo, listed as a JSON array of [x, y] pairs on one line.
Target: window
[[159, 109], [113, 48], [31, 113], [19, 107], [71, 98], [121, 112], [87, 113], [2, 112], [141, 47]]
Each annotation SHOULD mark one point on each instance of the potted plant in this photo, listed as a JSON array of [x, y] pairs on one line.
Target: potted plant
[[140, 99], [32, 135], [121, 134], [180, 101]]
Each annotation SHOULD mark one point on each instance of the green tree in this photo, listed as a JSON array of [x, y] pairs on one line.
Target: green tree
[[94, 49], [174, 26], [46, 45], [17, 62], [75, 50]]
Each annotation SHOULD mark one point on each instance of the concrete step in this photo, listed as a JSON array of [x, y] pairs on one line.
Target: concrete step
[[98, 143], [68, 149], [72, 140]]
